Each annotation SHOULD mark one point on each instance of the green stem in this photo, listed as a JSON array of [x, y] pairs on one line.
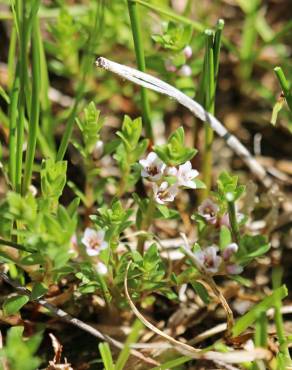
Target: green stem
[[34, 110], [261, 334], [11, 57], [85, 68], [45, 104], [146, 223], [209, 92], [139, 51], [20, 10], [277, 274], [248, 41], [285, 86], [217, 47], [233, 222], [12, 130]]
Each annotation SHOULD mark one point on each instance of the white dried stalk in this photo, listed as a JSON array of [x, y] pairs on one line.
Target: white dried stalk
[[153, 83]]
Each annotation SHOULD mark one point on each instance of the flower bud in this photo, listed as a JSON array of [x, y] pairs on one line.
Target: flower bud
[[185, 71], [98, 150], [188, 52]]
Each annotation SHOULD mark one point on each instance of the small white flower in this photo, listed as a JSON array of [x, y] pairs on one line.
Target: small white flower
[[153, 167], [229, 251], [208, 210], [188, 52], [98, 150], [164, 193], [186, 174], [101, 268], [94, 241], [185, 71], [208, 259], [234, 269]]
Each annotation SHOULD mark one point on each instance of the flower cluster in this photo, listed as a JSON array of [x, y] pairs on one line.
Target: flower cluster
[[156, 171], [214, 262], [94, 243]]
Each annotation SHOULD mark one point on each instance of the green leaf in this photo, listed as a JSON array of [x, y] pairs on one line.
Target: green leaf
[[201, 291], [228, 187], [175, 152], [53, 178], [38, 290], [225, 237], [249, 318], [22, 208], [132, 338], [13, 304], [106, 356], [20, 352], [199, 184], [252, 246]]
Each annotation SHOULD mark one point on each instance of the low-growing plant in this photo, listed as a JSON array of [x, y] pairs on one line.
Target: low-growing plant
[[119, 224]]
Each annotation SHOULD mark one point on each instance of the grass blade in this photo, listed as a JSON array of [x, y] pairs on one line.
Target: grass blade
[[249, 318], [35, 108], [139, 51]]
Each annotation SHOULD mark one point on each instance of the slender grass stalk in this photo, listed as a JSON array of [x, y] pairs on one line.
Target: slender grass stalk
[[139, 51], [210, 77], [260, 338], [217, 47], [85, 68], [277, 274], [146, 223], [46, 114], [248, 39], [21, 15], [34, 109], [209, 92], [12, 131], [11, 57], [261, 333], [285, 86]]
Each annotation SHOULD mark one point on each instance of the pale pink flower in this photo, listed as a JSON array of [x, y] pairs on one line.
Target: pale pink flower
[[185, 175], [208, 259], [188, 52], [164, 193], [101, 268], [234, 269], [229, 251], [94, 241], [224, 220], [208, 210], [152, 167]]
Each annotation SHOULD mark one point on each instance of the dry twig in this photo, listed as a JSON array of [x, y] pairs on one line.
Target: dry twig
[[74, 321], [155, 84]]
